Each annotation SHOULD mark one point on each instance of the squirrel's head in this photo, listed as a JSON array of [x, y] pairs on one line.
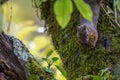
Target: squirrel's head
[[83, 33]]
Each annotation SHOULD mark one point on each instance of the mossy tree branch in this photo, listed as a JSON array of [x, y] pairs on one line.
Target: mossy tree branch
[[80, 60]]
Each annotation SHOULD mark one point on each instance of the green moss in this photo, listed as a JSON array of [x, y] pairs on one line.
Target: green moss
[[79, 59], [35, 70], [116, 45]]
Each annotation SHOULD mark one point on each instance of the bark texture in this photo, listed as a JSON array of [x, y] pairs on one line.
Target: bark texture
[[16, 63], [11, 67]]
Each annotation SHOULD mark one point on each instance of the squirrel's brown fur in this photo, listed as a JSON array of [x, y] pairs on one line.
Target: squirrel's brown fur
[[87, 29], [85, 32]]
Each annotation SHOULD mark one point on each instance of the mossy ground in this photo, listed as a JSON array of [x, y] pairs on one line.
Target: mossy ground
[[79, 59]]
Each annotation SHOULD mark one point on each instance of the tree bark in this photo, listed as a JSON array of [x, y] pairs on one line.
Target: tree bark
[[12, 68], [80, 60], [16, 63]]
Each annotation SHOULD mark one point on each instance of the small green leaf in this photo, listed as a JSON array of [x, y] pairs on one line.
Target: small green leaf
[[97, 78], [63, 10], [61, 70], [84, 9], [55, 59], [44, 59], [49, 54], [118, 5]]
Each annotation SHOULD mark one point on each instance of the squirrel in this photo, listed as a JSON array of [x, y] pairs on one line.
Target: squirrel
[[87, 31]]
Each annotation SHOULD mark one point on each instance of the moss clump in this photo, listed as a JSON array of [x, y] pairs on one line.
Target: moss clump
[[35, 70], [79, 59]]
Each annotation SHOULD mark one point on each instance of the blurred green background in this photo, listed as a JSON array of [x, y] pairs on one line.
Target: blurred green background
[[26, 25]]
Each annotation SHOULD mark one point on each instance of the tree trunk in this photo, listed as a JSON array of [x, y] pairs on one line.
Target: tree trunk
[[16, 63], [80, 60], [11, 67]]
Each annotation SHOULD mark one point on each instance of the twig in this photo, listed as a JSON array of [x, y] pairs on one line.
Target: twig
[[115, 14], [107, 13], [8, 29]]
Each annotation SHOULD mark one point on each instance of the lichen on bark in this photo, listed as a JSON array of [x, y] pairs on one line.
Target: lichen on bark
[[16, 62]]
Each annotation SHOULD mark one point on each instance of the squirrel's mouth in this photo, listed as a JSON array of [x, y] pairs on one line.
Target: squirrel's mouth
[[83, 41]]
